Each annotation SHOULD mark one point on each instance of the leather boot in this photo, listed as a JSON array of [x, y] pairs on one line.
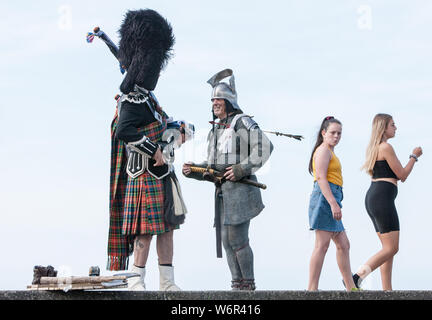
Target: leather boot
[[248, 284], [137, 283], [236, 284], [166, 279]]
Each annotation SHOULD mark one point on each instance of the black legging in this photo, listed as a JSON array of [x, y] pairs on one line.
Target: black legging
[[381, 207]]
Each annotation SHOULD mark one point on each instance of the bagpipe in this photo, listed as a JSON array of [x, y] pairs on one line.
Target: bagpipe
[[97, 32], [177, 132]]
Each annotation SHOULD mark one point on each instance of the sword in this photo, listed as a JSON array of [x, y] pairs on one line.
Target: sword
[[219, 176]]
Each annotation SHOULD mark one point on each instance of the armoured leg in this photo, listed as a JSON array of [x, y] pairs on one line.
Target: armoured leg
[[239, 255], [239, 240], [233, 265]]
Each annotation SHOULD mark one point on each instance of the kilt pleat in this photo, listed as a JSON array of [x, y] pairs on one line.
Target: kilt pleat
[[143, 208]]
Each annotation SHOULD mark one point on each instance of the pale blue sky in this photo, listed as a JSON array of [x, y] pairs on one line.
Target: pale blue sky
[[294, 62]]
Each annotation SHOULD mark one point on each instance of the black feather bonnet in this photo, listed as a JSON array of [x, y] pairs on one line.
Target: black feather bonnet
[[146, 45]]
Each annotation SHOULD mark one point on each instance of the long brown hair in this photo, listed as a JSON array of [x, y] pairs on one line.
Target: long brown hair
[[379, 126], [324, 126]]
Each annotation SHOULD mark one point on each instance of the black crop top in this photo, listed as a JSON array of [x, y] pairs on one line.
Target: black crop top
[[382, 169]]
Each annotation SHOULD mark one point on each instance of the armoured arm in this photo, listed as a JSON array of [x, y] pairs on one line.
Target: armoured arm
[[255, 148]]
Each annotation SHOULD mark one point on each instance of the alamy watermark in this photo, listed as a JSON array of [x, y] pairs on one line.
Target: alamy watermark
[[64, 21], [364, 19]]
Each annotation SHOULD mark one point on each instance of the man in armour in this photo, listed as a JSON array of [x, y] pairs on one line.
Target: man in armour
[[143, 200], [237, 148]]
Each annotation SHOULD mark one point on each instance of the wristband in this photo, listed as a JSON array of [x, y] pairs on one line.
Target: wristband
[[414, 157]]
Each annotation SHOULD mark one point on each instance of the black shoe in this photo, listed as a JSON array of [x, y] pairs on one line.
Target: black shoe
[[356, 279]]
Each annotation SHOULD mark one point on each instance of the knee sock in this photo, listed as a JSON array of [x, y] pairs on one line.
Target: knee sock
[[165, 264]]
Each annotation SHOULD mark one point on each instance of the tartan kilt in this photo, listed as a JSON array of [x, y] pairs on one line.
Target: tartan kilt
[[144, 207]]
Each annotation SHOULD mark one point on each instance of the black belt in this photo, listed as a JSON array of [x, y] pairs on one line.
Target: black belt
[[217, 222]]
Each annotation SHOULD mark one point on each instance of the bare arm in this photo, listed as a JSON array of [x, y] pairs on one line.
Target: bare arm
[[322, 160], [387, 152]]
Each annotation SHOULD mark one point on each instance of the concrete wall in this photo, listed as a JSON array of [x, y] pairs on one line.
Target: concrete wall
[[214, 295]]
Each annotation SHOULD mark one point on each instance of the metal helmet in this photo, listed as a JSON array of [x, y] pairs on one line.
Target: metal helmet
[[222, 90]]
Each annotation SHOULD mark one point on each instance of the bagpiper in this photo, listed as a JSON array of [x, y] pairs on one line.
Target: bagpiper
[[145, 196]]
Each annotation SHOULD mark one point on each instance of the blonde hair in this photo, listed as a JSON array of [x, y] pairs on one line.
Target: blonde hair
[[379, 126]]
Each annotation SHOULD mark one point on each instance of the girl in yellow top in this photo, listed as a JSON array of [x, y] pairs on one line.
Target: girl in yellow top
[[325, 205]]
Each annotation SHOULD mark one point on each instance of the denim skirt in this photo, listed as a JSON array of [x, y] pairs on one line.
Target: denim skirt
[[320, 214]]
